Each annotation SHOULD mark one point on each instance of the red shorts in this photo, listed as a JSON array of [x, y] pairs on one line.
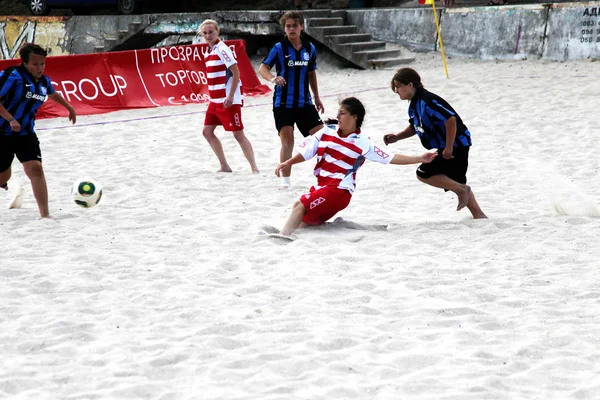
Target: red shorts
[[230, 118], [322, 204]]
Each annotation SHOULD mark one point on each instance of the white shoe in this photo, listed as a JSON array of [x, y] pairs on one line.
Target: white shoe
[[17, 197]]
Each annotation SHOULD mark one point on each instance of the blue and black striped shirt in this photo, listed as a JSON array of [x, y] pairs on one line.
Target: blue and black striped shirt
[[428, 114], [293, 65], [21, 95]]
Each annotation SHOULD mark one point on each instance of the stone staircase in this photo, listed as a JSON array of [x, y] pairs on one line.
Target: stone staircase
[[329, 28], [124, 36]]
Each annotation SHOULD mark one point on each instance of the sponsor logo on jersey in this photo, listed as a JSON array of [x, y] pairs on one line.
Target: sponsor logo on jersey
[[292, 63], [35, 96]]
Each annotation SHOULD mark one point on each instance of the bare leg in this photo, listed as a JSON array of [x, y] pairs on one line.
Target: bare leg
[[473, 206], [463, 192], [4, 178], [35, 173], [247, 149], [315, 129], [286, 135], [209, 133], [294, 220]]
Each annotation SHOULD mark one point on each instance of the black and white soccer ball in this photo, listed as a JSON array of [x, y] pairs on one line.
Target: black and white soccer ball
[[86, 192]]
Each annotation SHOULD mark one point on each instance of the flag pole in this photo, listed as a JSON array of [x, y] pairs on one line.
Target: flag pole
[[437, 26]]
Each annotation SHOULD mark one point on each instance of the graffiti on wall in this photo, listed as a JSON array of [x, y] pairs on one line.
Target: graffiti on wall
[[50, 34], [11, 38]]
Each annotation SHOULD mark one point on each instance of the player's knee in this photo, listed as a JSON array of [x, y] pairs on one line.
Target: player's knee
[[208, 133], [33, 169], [239, 136]]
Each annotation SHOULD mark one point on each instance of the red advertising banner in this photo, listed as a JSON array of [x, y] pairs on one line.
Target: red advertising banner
[[104, 82]]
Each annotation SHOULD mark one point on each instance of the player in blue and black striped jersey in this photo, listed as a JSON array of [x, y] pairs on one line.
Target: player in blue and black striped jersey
[[23, 90], [439, 127], [295, 61]]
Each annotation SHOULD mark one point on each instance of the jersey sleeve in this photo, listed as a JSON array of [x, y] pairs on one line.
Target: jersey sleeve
[[51, 89], [312, 64], [8, 82], [436, 110], [308, 148], [272, 57], [376, 154], [226, 55]]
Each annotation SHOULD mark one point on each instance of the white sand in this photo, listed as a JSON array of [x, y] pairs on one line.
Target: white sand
[[164, 290]]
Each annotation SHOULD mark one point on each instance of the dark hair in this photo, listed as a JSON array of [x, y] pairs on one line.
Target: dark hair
[[28, 49], [354, 107], [406, 76], [291, 15]]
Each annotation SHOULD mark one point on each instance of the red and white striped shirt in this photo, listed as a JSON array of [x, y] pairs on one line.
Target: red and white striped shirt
[[218, 61], [339, 158]]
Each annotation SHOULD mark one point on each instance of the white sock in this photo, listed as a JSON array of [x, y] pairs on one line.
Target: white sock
[[286, 180]]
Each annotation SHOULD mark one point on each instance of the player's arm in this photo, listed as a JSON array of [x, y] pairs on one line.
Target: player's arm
[[314, 86], [14, 124], [265, 71], [450, 137], [394, 137], [305, 150], [10, 81], [235, 81], [296, 159], [56, 97], [401, 159], [5, 114]]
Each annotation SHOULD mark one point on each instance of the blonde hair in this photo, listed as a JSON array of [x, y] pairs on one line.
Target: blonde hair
[[207, 22]]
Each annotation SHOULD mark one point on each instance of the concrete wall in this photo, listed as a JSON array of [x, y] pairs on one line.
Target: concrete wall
[[573, 32], [48, 32], [562, 31], [495, 32], [414, 28]]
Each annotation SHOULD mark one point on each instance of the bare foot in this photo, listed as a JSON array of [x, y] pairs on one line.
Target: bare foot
[[255, 171], [463, 197], [225, 170], [479, 216]]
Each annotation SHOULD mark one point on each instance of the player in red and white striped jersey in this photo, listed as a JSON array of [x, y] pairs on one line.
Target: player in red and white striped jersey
[[224, 88], [341, 150]]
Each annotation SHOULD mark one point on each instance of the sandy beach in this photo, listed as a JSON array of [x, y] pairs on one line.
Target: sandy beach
[[165, 290]]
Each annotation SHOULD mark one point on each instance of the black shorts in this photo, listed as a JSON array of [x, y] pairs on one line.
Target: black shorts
[[305, 118], [25, 147], [455, 168]]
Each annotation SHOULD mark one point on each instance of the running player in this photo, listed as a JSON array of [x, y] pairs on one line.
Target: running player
[[295, 61], [341, 150], [23, 90], [440, 127], [224, 88]]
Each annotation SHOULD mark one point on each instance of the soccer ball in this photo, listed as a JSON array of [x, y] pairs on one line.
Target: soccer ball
[[86, 192]]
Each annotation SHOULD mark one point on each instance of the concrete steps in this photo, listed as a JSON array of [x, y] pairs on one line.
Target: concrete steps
[[329, 28], [119, 41]]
